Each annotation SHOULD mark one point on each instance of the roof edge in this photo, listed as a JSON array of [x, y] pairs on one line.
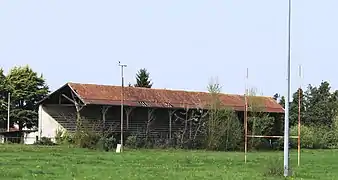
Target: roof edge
[[59, 89]]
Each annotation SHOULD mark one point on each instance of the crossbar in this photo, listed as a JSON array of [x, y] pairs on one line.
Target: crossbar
[[260, 136]]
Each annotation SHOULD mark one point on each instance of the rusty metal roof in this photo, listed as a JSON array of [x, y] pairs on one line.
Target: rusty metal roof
[[148, 97]]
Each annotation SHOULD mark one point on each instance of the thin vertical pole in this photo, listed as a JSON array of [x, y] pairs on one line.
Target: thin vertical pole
[[8, 111], [122, 102], [170, 125], [286, 122], [299, 109], [246, 118]]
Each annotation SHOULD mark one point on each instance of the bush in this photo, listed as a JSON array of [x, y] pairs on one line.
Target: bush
[[86, 140], [314, 137], [192, 144], [131, 142], [64, 138], [223, 130], [106, 144], [45, 141]]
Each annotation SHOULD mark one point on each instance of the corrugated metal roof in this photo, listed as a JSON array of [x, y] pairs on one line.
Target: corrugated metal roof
[[149, 97]]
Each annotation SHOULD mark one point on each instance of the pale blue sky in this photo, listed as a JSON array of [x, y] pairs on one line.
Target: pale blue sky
[[181, 42]]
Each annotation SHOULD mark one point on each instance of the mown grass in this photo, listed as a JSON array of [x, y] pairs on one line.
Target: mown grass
[[32, 162]]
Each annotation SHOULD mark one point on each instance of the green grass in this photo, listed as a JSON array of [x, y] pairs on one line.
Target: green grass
[[32, 162]]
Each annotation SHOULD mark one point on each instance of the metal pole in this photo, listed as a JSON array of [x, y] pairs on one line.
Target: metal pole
[[8, 110], [122, 102], [246, 117], [286, 122], [299, 105]]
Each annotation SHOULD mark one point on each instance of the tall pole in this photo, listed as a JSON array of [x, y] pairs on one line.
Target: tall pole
[[122, 101], [8, 110], [246, 117], [286, 122], [299, 105]]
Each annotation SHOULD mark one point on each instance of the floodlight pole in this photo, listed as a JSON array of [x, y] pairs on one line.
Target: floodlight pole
[[122, 101], [8, 110], [299, 109], [286, 121], [246, 116]]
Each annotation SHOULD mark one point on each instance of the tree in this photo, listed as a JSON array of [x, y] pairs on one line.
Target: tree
[[142, 79], [320, 105], [282, 101], [294, 105], [223, 129], [27, 88], [3, 97]]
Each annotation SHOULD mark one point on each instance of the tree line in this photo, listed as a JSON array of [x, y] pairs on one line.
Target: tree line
[[318, 105], [318, 114]]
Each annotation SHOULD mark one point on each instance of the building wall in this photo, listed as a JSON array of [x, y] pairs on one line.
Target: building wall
[[30, 138], [48, 126], [52, 117]]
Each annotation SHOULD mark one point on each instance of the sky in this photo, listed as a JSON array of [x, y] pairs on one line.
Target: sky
[[182, 43]]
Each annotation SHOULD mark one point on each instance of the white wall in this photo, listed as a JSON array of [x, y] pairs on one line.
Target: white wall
[[30, 138], [48, 126]]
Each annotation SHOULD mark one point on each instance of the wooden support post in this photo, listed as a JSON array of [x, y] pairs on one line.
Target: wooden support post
[[171, 112], [104, 111], [128, 112], [78, 107]]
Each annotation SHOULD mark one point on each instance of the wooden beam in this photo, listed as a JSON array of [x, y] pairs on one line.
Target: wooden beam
[[260, 136], [171, 112], [128, 111], [55, 105], [69, 99], [104, 112]]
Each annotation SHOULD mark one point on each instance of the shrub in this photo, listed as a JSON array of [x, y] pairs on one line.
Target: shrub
[[260, 124], [192, 144], [64, 138], [314, 137], [106, 144], [131, 142], [223, 130], [45, 141], [161, 143], [86, 140]]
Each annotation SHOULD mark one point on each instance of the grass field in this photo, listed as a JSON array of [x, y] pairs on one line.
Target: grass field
[[32, 162]]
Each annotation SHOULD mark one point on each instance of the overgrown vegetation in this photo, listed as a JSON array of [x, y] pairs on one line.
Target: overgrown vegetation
[[223, 129], [87, 135], [45, 141]]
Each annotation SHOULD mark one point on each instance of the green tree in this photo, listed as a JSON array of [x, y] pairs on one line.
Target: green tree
[[282, 101], [27, 88], [320, 104], [223, 129], [294, 106], [3, 97], [143, 79]]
